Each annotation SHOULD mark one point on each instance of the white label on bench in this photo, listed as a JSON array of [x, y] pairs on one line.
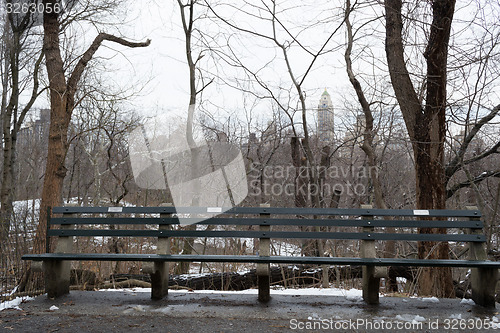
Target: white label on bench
[[421, 212], [214, 209], [115, 209]]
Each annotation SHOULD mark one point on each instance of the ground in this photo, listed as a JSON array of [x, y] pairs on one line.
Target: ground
[[208, 311]]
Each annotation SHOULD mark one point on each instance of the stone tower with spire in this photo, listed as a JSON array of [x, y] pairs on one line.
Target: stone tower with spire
[[325, 117]]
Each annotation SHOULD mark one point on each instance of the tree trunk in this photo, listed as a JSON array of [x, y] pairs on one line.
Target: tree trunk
[[426, 125], [62, 94], [55, 171], [9, 117], [187, 24], [368, 135], [12, 116]]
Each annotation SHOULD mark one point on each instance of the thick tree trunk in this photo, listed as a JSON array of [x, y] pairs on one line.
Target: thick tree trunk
[[287, 276], [426, 125], [55, 170]]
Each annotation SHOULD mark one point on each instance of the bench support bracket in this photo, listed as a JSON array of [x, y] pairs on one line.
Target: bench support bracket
[[159, 276], [57, 277], [483, 283], [263, 277], [483, 280], [371, 277], [57, 272], [159, 280]]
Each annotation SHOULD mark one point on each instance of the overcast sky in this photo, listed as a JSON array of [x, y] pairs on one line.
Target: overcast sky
[[162, 71]]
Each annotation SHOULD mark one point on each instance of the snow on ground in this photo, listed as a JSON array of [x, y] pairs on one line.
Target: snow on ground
[[495, 322], [351, 294], [14, 304], [467, 301], [311, 307], [430, 299], [26, 205], [410, 318]]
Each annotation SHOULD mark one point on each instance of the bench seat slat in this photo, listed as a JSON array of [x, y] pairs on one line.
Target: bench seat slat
[[268, 234], [279, 211], [269, 221], [259, 259]]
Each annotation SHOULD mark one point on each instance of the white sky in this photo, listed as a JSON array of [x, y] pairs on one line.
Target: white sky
[[162, 67]]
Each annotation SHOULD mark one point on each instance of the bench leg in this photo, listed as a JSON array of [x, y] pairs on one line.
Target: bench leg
[[159, 280], [263, 282], [483, 283], [371, 285], [57, 277]]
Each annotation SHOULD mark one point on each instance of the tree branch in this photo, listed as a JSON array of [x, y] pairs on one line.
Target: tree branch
[[403, 87], [87, 56], [469, 182], [34, 93], [457, 162]]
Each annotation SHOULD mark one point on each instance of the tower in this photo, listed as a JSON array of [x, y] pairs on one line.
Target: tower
[[325, 117]]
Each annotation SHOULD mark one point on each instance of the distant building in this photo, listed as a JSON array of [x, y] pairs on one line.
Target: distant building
[[475, 144], [325, 118], [355, 136], [35, 130], [270, 134]]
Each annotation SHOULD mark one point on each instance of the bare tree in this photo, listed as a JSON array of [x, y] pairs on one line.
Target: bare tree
[[425, 124], [283, 39], [188, 16], [18, 57], [368, 134], [63, 88]]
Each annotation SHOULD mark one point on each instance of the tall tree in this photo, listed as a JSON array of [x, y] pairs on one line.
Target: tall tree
[[63, 88], [425, 123], [18, 55], [187, 14], [368, 135]]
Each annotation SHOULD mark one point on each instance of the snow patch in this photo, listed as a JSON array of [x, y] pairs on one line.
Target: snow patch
[[137, 308], [410, 318], [495, 322], [467, 301], [354, 295], [456, 316], [430, 299], [163, 310], [169, 309], [14, 304], [53, 308]]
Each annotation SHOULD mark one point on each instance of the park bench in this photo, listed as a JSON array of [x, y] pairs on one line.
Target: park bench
[[366, 225]]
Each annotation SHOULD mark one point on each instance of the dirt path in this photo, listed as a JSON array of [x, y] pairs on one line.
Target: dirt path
[[182, 311]]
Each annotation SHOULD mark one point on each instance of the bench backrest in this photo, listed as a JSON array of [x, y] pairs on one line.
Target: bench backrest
[[466, 222]]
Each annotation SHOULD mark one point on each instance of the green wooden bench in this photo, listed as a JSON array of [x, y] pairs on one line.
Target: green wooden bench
[[265, 223]]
